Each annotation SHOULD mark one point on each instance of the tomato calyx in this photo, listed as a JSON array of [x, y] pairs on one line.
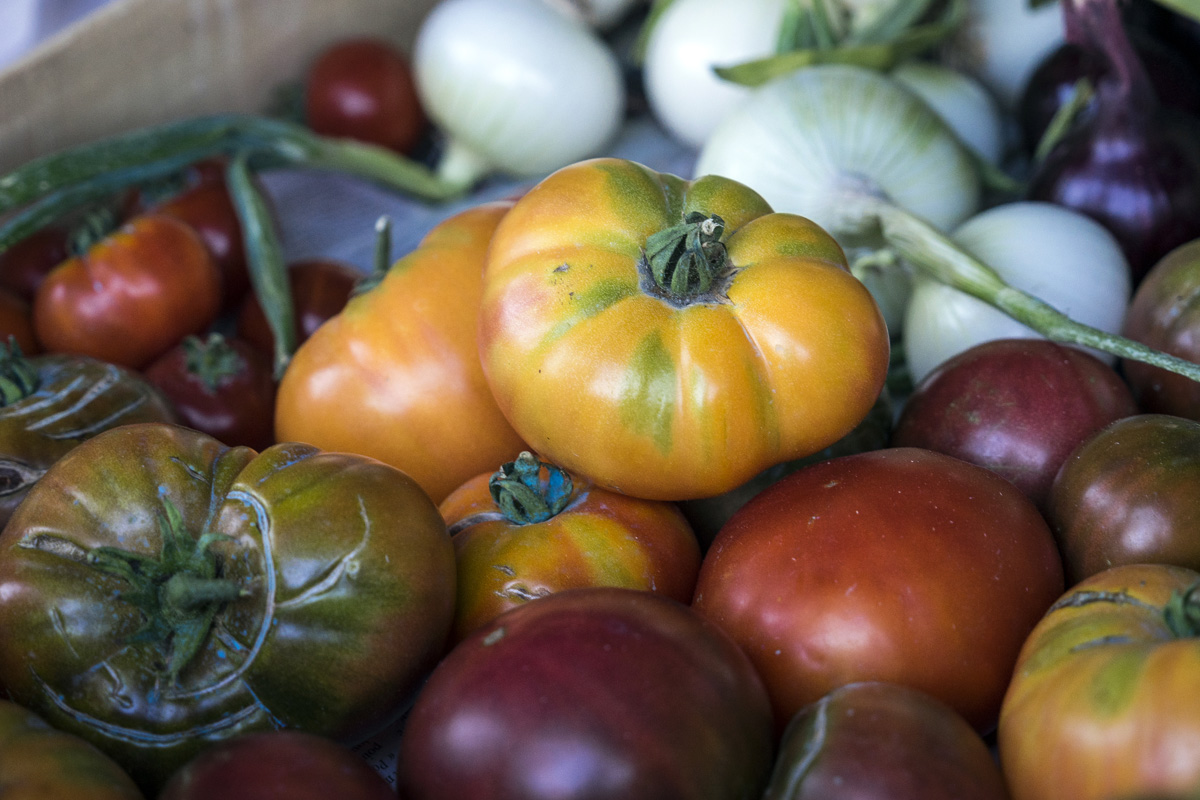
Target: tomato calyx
[[212, 360], [93, 227], [1182, 612], [179, 592], [18, 377], [524, 496], [685, 261]]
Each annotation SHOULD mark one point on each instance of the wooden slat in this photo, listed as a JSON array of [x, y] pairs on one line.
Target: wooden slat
[[141, 62]]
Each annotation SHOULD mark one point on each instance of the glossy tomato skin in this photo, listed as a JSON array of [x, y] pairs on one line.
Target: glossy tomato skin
[[223, 387], [1104, 702], [590, 693], [346, 581], [38, 762], [1016, 406], [899, 565], [1130, 494], [320, 288], [363, 89], [665, 395], [600, 538], [75, 398], [277, 765], [396, 375], [1165, 314], [882, 741], [131, 296]]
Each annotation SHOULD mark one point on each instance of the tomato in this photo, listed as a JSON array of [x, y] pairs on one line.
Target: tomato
[[161, 592], [1105, 699], [1016, 406], [38, 762], [590, 693], [25, 265], [530, 529], [396, 375], [16, 321], [223, 387], [1165, 314], [882, 741], [49, 404], [899, 565], [754, 344], [206, 206], [320, 289], [363, 89], [277, 765], [1130, 494], [132, 296]]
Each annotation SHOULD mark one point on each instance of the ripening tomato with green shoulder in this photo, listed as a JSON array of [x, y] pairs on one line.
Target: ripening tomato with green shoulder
[[1105, 698], [395, 375], [530, 529], [670, 339]]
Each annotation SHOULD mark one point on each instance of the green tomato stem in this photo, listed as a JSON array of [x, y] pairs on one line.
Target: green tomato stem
[[1182, 612], [937, 256], [685, 260], [524, 496], [18, 377], [212, 360]]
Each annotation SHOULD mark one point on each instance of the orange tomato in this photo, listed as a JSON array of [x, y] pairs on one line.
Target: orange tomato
[[396, 374]]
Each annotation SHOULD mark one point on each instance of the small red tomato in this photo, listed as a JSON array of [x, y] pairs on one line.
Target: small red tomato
[[132, 296], [530, 530], [320, 289], [363, 89], [220, 386], [277, 765], [208, 209], [25, 265]]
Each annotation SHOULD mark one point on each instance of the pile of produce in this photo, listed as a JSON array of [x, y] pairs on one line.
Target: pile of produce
[[863, 461]]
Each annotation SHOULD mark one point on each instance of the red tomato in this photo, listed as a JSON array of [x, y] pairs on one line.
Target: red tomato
[[220, 386], [899, 565], [590, 693], [277, 765], [209, 210], [1016, 406], [25, 265], [363, 89], [132, 296], [320, 289], [530, 529]]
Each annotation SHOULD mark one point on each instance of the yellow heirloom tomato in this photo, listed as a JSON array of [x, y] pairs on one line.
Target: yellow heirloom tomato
[[396, 375], [669, 339]]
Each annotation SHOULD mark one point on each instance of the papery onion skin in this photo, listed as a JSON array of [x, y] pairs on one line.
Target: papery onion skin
[[521, 87], [815, 140], [1059, 255]]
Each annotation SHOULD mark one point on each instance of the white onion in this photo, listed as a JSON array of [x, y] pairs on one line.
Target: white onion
[[1059, 255], [686, 42], [516, 86], [963, 102]]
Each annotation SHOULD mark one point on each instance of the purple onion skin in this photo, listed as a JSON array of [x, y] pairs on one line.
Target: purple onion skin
[[1138, 176], [1050, 86]]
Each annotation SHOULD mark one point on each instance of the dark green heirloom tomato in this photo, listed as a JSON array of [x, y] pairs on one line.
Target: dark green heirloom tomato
[[160, 592], [38, 762], [51, 403]]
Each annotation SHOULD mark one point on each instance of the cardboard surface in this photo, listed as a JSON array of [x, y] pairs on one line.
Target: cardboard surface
[[142, 62]]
